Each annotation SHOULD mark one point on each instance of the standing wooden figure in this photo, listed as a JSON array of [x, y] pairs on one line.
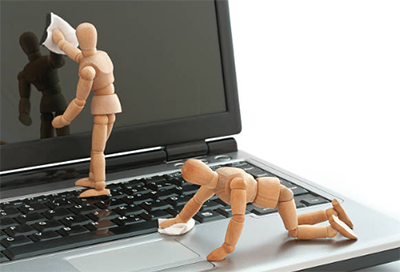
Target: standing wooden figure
[[96, 74], [237, 188]]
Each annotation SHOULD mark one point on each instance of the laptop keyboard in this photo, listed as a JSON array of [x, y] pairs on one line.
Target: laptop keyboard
[[51, 223]]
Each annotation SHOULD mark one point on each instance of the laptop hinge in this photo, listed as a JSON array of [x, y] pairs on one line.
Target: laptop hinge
[[200, 148]]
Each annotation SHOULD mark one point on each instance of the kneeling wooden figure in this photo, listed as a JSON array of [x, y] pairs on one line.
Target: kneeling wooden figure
[[237, 188]]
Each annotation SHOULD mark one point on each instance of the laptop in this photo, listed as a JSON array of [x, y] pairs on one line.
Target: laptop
[[175, 77]]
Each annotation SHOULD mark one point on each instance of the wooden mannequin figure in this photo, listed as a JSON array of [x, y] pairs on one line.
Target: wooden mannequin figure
[[96, 74], [237, 188]]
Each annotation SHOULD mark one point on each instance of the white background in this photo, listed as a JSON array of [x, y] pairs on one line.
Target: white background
[[319, 88]]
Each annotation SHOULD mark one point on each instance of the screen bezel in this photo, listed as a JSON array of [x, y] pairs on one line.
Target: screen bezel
[[44, 151]]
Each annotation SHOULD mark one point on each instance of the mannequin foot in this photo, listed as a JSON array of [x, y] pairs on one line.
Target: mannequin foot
[[94, 192], [342, 228], [341, 213], [217, 255], [85, 182]]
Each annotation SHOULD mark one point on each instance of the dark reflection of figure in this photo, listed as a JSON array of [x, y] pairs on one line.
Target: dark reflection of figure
[[41, 72]]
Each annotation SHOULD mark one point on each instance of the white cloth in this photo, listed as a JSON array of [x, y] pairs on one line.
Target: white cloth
[[68, 31], [177, 229]]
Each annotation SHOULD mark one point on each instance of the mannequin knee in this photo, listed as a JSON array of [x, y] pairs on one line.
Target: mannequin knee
[[101, 120], [293, 233]]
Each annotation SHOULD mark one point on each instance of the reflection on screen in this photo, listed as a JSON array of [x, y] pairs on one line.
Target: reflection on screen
[[165, 53]]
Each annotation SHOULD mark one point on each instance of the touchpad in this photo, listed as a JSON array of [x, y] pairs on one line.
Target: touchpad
[[158, 254]]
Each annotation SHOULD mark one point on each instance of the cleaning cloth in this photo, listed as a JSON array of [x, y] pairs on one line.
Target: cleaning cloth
[[177, 229], [68, 31]]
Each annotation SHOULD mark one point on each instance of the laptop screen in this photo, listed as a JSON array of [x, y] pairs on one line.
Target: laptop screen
[[166, 56]]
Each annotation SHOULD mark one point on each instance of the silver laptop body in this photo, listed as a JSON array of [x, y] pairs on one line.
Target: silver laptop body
[[154, 139]]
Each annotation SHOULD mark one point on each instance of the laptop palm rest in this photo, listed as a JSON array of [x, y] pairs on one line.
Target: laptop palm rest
[[156, 255]]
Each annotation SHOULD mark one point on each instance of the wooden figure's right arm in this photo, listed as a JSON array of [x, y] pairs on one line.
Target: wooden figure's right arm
[[87, 75], [191, 208], [72, 52]]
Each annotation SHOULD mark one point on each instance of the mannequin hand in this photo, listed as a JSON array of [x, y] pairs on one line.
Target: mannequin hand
[[57, 36], [24, 109], [168, 223], [25, 119], [59, 122]]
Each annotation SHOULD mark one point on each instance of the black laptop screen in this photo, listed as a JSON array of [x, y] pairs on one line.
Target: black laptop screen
[[166, 56]]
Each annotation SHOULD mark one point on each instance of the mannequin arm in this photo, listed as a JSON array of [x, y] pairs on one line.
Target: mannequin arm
[[82, 92], [191, 208], [72, 52], [56, 60]]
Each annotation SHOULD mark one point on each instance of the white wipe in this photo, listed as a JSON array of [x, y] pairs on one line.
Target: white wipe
[[68, 31], [177, 229]]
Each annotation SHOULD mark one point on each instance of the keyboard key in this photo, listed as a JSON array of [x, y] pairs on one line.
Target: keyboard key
[[23, 229], [9, 212], [43, 226], [58, 213], [156, 185], [39, 199], [155, 205], [44, 236], [139, 198], [101, 215], [155, 215], [116, 191], [16, 203], [37, 207], [73, 230], [7, 222], [163, 194], [112, 203], [59, 203], [297, 190], [208, 216], [260, 211], [83, 209], [134, 188], [129, 209], [75, 220], [15, 241], [100, 225], [178, 200], [30, 218], [188, 189], [74, 241], [210, 205], [256, 172], [127, 220], [310, 200]]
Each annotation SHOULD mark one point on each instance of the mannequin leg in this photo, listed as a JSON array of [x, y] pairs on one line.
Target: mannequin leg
[[312, 218], [46, 128], [89, 182], [99, 139], [287, 210], [235, 227], [110, 124]]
